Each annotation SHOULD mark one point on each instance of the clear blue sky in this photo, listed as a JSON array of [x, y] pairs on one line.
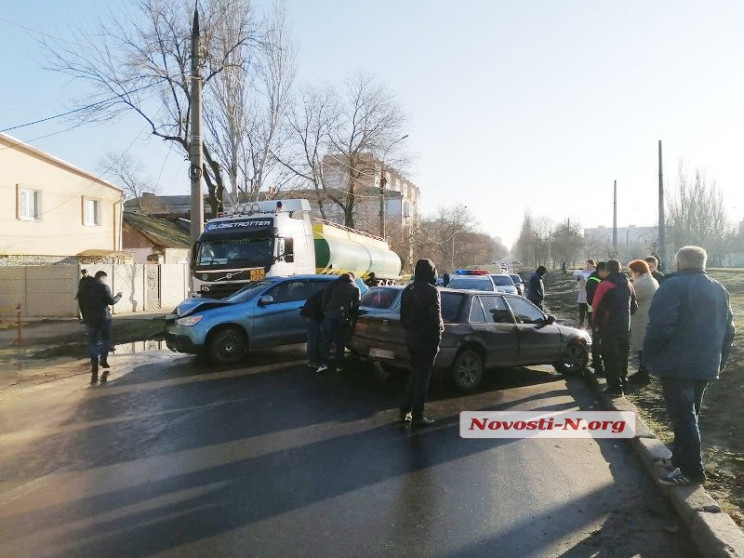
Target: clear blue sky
[[512, 105]]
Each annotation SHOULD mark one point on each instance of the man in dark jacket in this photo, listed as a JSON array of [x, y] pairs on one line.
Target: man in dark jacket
[[592, 283], [340, 309], [653, 266], [421, 316], [85, 281], [312, 313], [614, 301], [536, 288], [96, 299], [688, 338]]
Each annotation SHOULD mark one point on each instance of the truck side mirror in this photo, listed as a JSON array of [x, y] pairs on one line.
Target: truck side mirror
[[289, 250]]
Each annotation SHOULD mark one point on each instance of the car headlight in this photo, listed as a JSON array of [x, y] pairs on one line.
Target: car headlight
[[189, 320]]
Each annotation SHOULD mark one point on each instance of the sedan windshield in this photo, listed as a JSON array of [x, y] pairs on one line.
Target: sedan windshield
[[379, 297], [502, 280], [244, 252], [473, 284], [249, 291], [516, 278]]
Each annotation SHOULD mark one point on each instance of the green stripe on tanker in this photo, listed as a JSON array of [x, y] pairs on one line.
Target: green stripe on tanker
[[338, 251]]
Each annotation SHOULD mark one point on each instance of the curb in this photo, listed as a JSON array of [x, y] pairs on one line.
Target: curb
[[714, 532]]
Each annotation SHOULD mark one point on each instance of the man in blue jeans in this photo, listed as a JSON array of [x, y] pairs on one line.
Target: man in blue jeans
[[95, 300], [689, 336]]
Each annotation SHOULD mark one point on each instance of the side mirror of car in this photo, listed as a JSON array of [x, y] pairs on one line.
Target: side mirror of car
[[550, 320], [266, 299]]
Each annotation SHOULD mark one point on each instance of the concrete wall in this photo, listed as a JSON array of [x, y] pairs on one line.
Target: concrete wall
[[49, 291], [59, 229]]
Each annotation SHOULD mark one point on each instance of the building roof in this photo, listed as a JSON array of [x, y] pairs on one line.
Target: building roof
[[13, 143], [158, 230]]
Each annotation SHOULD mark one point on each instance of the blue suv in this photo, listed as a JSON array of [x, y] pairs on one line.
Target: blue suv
[[262, 314]]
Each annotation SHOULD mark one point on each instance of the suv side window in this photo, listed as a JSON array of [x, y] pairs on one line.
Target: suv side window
[[496, 310], [525, 312], [288, 291], [476, 312]]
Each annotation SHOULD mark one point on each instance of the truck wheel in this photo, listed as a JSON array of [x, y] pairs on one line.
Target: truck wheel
[[227, 346], [467, 371], [574, 360]]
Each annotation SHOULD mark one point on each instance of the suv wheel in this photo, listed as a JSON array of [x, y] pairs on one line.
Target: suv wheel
[[227, 346], [467, 371]]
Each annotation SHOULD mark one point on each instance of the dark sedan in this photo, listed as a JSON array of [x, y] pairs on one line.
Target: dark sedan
[[482, 330]]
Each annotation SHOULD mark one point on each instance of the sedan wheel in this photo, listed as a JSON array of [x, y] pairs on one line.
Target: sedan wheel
[[467, 371], [574, 360], [227, 346]]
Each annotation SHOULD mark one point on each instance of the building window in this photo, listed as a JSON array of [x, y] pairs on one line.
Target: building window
[[91, 212], [29, 202]]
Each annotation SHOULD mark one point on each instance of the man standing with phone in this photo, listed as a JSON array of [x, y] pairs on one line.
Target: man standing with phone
[[97, 318]]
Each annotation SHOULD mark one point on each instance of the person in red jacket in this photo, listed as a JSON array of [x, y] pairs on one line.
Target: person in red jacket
[[613, 303]]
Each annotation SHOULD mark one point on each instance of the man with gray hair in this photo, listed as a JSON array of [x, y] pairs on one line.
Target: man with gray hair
[[689, 336]]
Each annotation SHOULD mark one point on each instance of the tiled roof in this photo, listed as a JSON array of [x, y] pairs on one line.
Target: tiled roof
[[158, 230]]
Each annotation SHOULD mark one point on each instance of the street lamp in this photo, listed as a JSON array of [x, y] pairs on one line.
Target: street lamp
[[383, 181]]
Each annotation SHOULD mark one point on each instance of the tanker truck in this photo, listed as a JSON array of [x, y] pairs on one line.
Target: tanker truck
[[270, 238]]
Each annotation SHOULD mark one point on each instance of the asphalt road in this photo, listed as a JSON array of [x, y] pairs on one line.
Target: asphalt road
[[176, 458]]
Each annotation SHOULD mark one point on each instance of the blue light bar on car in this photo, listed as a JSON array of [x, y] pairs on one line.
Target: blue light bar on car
[[472, 272]]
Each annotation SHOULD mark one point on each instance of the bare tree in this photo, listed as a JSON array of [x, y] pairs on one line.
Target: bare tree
[[443, 237], [697, 215], [567, 242], [250, 99], [138, 61], [129, 173]]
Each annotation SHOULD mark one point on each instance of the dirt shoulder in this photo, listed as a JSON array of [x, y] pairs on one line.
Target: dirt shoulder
[[722, 418]]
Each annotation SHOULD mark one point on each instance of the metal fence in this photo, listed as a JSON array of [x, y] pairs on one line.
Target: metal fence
[[48, 291]]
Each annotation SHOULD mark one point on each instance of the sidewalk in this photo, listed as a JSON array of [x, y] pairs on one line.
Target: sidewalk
[[42, 331]]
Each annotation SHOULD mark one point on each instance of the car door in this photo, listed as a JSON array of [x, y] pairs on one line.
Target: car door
[[493, 324], [277, 320], [539, 342]]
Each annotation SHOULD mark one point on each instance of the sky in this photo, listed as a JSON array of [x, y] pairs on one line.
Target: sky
[[512, 106]]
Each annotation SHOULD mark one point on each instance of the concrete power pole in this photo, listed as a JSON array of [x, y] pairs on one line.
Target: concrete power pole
[[614, 218], [662, 221], [195, 143]]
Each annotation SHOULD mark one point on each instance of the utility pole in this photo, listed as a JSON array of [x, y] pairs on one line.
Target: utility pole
[[662, 221], [614, 219], [195, 143]]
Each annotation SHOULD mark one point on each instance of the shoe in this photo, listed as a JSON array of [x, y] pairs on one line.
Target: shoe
[[322, 368], [614, 392], [104, 377], [423, 422], [404, 416], [640, 378], [104, 363], [93, 372], [678, 478]]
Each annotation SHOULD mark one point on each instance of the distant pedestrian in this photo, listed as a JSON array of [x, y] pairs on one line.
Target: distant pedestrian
[[689, 336], [653, 266], [312, 313], [446, 279], [536, 288], [421, 316], [373, 281], [592, 283], [614, 302], [582, 276], [645, 286], [564, 268], [340, 310], [96, 300]]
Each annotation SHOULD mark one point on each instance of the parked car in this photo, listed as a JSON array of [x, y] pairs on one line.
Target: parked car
[[381, 299], [264, 313], [504, 283], [482, 330], [472, 282], [518, 283]]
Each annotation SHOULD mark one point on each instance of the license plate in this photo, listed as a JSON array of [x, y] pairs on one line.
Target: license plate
[[257, 274], [381, 353]]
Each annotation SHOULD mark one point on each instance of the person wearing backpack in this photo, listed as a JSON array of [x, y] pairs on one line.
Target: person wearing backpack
[[340, 309], [312, 313], [97, 318]]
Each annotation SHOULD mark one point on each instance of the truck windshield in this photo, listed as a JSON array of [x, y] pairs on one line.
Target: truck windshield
[[244, 252]]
